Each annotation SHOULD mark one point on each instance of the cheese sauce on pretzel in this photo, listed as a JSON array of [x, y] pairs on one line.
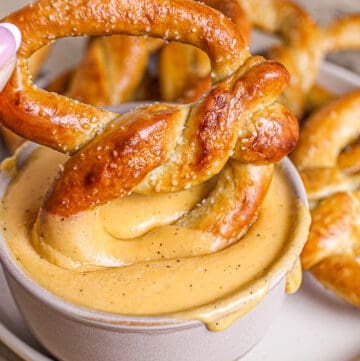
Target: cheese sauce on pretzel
[[215, 287]]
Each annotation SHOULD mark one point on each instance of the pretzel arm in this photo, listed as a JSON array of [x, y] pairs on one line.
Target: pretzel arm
[[341, 274], [184, 71], [66, 125], [111, 69]]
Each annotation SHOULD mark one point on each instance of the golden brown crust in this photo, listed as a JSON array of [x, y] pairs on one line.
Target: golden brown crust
[[334, 228], [349, 159], [11, 140], [341, 274], [60, 122], [326, 156], [341, 34], [300, 50], [184, 71], [201, 140], [334, 243], [267, 136], [233, 206], [333, 127], [121, 150]]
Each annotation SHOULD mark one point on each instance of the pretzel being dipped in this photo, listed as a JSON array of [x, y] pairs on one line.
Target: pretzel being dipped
[[160, 147], [191, 146], [334, 244]]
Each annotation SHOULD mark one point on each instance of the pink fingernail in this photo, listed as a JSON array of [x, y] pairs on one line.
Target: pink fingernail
[[10, 39]]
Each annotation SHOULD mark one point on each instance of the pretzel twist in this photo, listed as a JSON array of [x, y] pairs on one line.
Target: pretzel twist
[[333, 127], [327, 162], [159, 147]]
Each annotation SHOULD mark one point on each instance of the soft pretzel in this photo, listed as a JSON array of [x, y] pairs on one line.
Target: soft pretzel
[[328, 162], [191, 146], [11, 140], [332, 128], [63, 124], [111, 69], [334, 243]]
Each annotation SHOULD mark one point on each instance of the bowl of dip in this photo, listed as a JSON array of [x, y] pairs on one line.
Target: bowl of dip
[[210, 307]]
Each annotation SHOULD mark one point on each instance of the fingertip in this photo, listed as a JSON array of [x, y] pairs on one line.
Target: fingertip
[[14, 31]]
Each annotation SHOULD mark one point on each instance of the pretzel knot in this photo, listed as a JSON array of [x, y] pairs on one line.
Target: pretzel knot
[[332, 181], [236, 130]]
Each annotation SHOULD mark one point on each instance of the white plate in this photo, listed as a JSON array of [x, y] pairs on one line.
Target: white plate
[[314, 324]]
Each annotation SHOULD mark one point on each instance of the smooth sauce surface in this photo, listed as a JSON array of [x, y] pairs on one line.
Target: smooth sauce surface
[[215, 288]]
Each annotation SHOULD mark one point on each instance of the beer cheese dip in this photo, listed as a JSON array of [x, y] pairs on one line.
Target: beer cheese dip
[[160, 268]]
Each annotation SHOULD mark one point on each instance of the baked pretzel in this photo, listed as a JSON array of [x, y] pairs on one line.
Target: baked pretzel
[[304, 43], [341, 34], [328, 162], [159, 147], [333, 128], [64, 124], [334, 243]]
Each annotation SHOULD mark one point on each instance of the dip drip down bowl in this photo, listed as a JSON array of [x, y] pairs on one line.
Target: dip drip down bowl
[[71, 312]]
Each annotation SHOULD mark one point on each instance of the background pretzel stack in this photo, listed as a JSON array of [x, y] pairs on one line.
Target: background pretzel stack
[[239, 145]]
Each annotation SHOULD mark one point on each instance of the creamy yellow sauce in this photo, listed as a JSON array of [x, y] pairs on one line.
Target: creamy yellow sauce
[[176, 272]]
